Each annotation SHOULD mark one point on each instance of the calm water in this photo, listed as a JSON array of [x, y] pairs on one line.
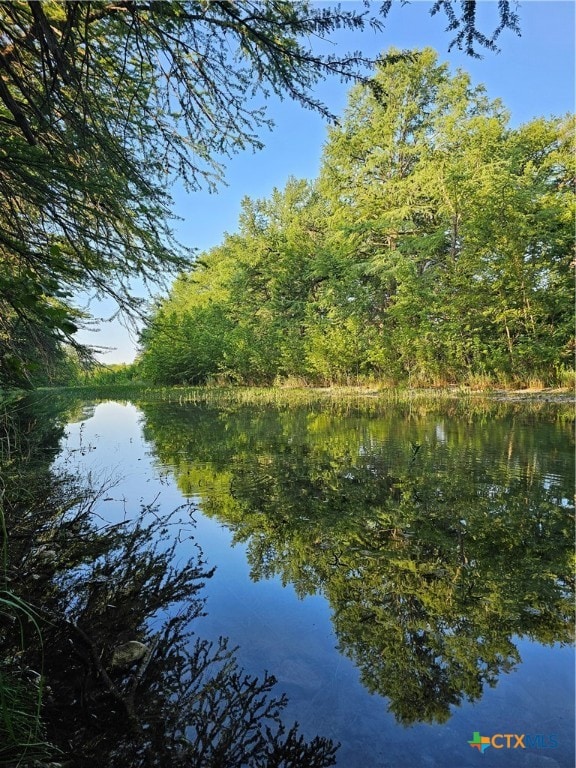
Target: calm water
[[404, 575]]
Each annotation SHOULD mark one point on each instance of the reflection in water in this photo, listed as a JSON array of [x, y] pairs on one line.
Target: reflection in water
[[109, 621], [437, 542]]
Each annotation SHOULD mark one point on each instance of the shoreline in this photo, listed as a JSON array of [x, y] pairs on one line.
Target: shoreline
[[547, 395]]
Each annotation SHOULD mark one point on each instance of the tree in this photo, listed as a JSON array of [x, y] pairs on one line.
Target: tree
[[242, 310], [103, 104], [518, 241], [455, 225], [435, 246]]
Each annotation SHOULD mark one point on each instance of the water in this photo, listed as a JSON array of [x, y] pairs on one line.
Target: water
[[404, 574]]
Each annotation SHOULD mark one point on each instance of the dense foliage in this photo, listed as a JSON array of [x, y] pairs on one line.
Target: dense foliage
[[104, 104], [434, 246]]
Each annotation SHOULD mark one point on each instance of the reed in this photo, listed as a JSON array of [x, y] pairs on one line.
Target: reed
[[22, 733]]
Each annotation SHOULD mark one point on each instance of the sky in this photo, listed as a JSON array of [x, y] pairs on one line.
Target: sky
[[533, 75]]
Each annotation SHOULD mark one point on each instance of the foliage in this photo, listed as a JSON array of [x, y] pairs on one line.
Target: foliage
[[103, 105], [112, 374], [435, 246]]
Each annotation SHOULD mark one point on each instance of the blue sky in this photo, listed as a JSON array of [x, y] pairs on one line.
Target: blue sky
[[533, 75]]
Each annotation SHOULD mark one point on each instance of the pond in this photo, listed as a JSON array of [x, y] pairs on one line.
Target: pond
[[402, 570]]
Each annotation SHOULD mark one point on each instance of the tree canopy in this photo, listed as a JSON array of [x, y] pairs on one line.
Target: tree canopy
[[434, 247], [103, 104]]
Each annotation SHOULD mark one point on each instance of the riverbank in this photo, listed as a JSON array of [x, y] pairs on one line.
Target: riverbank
[[547, 395], [540, 394], [284, 395], [529, 395]]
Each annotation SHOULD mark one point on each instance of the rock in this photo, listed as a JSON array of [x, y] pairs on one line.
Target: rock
[[128, 653]]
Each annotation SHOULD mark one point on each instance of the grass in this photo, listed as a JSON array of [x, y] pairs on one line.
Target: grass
[[22, 737], [455, 401], [566, 377], [420, 384], [21, 728], [275, 395]]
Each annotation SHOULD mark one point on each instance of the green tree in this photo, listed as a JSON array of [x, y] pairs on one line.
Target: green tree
[[242, 311], [103, 104], [277, 275], [386, 193], [188, 333], [455, 226], [519, 247], [435, 246]]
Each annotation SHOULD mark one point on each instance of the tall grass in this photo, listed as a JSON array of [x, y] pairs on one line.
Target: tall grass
[[22, 738], [464, 401], [22, 735]]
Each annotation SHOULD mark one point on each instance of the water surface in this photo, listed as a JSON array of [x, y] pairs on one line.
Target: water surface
[[403, 573]]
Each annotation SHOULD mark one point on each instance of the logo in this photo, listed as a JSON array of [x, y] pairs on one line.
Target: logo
[[481, 743], [513, 741]]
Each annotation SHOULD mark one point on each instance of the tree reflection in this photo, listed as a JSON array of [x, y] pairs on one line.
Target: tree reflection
[[436, 542], [98, 590]]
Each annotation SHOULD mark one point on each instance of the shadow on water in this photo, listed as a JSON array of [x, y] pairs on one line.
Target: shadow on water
[[100, 662], [437, 542]]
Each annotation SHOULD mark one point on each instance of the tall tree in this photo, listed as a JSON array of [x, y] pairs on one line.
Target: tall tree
[[435, 246], [386, 168], [103, 103], [455, 225]]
